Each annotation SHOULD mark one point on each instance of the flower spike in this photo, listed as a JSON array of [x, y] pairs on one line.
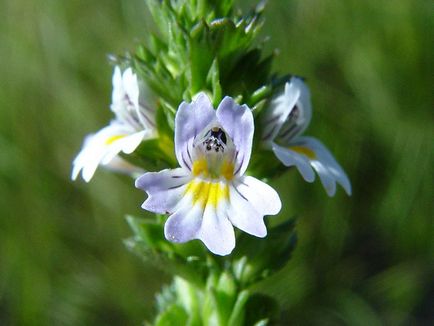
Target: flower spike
[[209, 193], [285, 121]]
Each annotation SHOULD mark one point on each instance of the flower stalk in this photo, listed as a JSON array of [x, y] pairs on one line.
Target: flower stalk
[[202, 124]]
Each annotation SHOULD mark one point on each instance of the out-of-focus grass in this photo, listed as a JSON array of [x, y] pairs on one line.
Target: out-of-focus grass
[[363, 260]]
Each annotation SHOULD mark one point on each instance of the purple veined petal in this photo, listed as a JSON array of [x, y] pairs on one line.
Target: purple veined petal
[[125, 90], [216, 231], [303, 103], [198, 214], [263, 197], [184, 224], [190, 120], [237, 121], [131, 86], [290, 112], [146, 117], [326, 166], [250, 200], [280, 108], [292, 158], [165, 189]]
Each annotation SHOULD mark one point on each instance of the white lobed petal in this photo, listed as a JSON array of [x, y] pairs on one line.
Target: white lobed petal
[[126, 144], [131, 86], [98, 149], [326, 166], [204, 220], [165, 189], [118, 89], [237, 121], [216, 231], [190, 120], [184, 224], [303, 103], [323, 162], [277, 118], [250, 200], [291, 158], [125, 90], [279, 110]]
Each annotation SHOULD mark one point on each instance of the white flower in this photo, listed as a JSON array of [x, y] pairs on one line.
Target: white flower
[[209, 193], [134, 121], [287, 118]]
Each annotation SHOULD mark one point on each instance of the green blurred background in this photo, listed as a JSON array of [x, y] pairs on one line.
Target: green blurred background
[[363, 260]]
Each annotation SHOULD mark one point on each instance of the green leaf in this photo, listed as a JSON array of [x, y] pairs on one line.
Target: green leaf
[[173, 315], [201, 57], [185, 260], [189, 298], [226, 294], [223, 7], [254, 259], [238, 313], [261, 309], [259, 95], [213, 79]]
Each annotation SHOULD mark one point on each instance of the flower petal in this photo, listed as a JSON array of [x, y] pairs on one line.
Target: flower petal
[[291, 158], [93, 151], [131, 86], [263, 197], [125, 90], [279, 118], [184, 224], [165, 189], [126, 144], [216, 231], [190, 120], [118, 89], [103, 146], [199, 213], [237, 121], [250, 200], [326, 166]]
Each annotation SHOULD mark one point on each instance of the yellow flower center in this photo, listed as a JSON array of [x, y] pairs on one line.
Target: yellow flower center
[[200, 167], [214, 171], [207, 193]]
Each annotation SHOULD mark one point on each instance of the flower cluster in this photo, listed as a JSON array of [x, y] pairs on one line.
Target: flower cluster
[[209, 192]]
